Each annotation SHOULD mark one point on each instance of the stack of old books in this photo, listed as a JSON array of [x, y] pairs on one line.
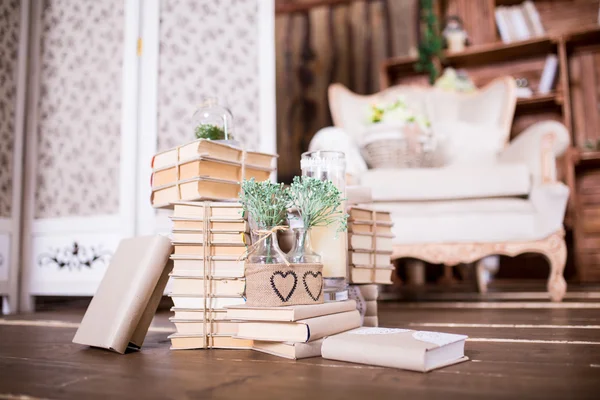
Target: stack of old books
[[369, 246], [294, 331], [205, 170], [366, 302], [207, 276]]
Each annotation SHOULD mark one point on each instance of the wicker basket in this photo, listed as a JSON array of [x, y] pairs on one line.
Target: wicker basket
[[393, 146]]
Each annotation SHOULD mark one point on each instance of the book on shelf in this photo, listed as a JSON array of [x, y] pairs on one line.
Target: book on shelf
[[288, 313], [198, 250], [369, 242], [292, 351], [533, 16], [188, 342], [228, 267], [200, 147], [371, 275], [198, 302], [186, 224], [518, 21], [215, 238], [366, 258], [128, 295], [548, 74], [217, 210], [304, 330], [358, 195], [502, 25], [197, 314], [372, 321], [195, 189], [396, 348], [216, 287], [194, 327]]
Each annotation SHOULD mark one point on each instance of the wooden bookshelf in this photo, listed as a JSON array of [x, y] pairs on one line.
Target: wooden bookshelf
[[573, 35]]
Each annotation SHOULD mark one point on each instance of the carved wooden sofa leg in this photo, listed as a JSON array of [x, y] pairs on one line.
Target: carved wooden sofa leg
[[557, 257], [480, 276]]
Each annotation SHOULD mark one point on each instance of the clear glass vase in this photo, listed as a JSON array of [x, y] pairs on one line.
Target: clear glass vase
[[265, 248], [302, 251], [214, 122]]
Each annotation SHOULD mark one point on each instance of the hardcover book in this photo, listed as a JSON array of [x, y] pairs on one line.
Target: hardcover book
[[226, 267], [181, 301], [195, 189], [293, 351], [396, 348], [260, 160], [128, 295], [368, 227], [191, 327], [197, 250], [197, 314], [199, 167], [216, 209], [369, 242], [188, 342], [288, 313], [369, 259], [215, 238], [371, 275], [215, 287], [304, 330], [197, 225]]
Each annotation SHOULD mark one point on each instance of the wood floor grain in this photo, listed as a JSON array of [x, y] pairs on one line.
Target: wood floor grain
[[38, 360]]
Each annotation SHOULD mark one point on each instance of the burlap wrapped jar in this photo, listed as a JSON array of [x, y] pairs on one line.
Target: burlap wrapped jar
[[273, 285]]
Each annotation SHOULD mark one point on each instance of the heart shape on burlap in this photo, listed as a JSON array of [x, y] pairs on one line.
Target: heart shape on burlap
[[283, 285], [315, 275]]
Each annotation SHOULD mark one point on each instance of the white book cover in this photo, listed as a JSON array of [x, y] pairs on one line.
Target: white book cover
[[534, 17], [518, 20], [502, 25], [548, 74]]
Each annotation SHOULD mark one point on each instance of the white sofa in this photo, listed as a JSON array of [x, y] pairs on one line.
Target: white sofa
[[492, 197]]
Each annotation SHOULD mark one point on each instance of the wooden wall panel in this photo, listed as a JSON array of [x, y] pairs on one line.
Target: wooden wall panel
[[344, 43], [584, 71]]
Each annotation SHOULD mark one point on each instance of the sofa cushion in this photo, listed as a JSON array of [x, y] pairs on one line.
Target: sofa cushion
[[453, 182]]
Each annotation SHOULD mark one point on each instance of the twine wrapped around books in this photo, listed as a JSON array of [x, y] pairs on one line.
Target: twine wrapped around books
[[263, 234], [274, 285]]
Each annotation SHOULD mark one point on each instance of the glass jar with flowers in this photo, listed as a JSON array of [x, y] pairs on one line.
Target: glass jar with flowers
[[266, 204]]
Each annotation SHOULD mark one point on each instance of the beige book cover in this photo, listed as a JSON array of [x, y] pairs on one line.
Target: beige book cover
[[215, 238], [195, 168], [260, 160], [366, 258], [128, 295], [191, 327], [197, 314], [368, 227], [304, 330], [195, 189], [185, 249], [292, 351], [189, 342], [360, 213], [288, 313], [259, 174], [195, 286], [183, 301], [180, 224], [217, 210], [358, 195], [371, 275], [372, 321], [209, 148], [165, 159], [369, 242], [396, 348]]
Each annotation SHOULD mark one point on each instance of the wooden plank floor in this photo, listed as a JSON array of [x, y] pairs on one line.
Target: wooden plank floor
[[542, 351]]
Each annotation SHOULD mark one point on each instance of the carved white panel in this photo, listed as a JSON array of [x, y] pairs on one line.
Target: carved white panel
[[73, 264], [9, 45], [79, 108], [4, 256], [208, 48]]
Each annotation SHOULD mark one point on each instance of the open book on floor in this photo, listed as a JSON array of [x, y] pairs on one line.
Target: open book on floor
[[396, 348]]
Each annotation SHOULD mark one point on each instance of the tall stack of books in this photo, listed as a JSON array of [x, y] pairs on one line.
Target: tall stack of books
[[294, 331], [208, 275], [369, 246], [366, 302], [205, 170]]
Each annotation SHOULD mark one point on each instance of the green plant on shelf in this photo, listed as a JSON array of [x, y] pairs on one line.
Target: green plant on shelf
[[590, 145], [210, 132], [431, 43]]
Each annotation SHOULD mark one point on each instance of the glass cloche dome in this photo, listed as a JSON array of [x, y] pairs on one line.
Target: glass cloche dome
[[214, 122]]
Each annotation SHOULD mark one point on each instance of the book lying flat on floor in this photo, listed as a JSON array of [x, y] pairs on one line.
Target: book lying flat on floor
[[216, 287], [293, 351], [216, 209], [197, 314], [304, 330], [185, 224], [191, 327], [200, 302], [396, 348], [188, 342], [288, 313]]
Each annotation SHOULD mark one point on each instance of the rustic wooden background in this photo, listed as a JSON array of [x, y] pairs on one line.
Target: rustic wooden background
[[327, 41]]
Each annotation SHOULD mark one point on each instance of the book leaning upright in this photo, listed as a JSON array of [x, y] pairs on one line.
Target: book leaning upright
[[396, 348]]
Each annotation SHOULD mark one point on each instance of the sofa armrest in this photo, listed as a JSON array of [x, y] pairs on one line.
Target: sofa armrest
[[336, 139], [538, 146]]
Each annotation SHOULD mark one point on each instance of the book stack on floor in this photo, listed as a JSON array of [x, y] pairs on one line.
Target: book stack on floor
[[293, 332], [369, 246], [205, 170], [366, 302], [207, 276]]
